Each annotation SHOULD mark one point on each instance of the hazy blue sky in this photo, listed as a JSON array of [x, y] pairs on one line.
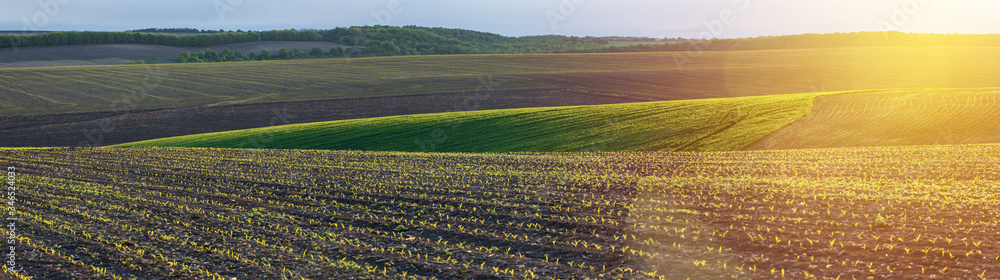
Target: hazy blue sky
[[656, 18]]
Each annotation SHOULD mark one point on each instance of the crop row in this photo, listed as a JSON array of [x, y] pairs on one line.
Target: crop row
[[910, 212]]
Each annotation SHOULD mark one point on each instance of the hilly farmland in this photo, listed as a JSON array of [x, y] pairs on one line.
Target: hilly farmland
[[925, 212], [793, 121], [155, 101], [918, 117], [800, 163], [651, 75], [683, 125], [114, 127]]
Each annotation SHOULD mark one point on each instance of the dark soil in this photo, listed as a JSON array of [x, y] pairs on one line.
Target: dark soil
[[109, 128], [176, 213]]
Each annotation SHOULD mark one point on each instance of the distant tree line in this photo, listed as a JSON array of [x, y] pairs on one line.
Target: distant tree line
[[829, 40], [290, 35], [194, 40], [183, 30], [171, 30], [227, 55], [414, 40], [632, 39]]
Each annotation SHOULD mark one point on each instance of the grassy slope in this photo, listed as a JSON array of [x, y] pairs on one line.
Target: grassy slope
[[863, 118], [922, 117], [685, 125], [656, 76]]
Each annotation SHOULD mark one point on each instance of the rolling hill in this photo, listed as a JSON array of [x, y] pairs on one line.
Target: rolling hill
[[920, 117], [649, 75], [108, 128], [559, 166], [684, 125], [837, 119], [139, 102]]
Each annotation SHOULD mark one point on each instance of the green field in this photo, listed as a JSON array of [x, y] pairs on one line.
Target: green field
[[791, 121], [684, 125], [655, 76], [918, 117]]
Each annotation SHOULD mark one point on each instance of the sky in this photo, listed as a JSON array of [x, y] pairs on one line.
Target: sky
[[651, 18]]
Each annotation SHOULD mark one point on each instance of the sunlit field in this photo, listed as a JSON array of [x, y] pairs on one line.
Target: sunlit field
[[495, 140], [683, 125], [714, 176], [118, 213], [916, 117], [792, 121]]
